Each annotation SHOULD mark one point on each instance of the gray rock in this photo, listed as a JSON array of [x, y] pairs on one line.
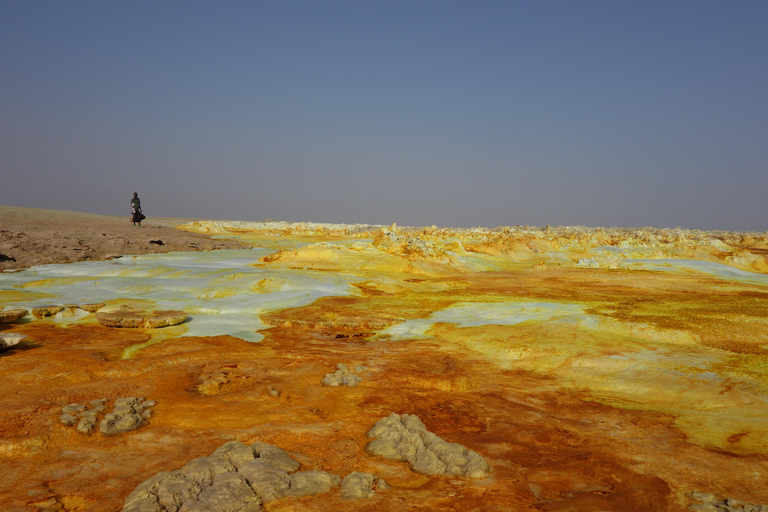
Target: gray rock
[[341, 377], [273, 392], [229, 492], [86, 424], [308, 483], [711, 503], [235, 452], [68, 419], [97, 402], [92, 412], [145, 497], [128, 413], [234, 478], [267, 481], [351, 380], [173, 492], [123, 409], [275, 456], [114, 424], [9, 339], [73, 408], [203, 469], [703, 497], [406, 438], [357, 486]]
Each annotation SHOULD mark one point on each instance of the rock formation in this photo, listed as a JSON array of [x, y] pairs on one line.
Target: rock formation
[[356, 486], [8, 316], [66, 310], [9, 339], [127, 414], [235, 477], [342, 377], [406, 438], [710, 503], [135, 319]]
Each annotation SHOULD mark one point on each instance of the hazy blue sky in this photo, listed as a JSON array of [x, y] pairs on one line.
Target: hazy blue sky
[[476, 113]]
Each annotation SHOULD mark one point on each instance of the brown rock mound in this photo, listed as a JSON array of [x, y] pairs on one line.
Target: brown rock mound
[[8, 316], [133, 319]]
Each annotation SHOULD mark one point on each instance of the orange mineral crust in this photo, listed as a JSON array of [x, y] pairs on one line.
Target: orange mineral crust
[[583, 388]]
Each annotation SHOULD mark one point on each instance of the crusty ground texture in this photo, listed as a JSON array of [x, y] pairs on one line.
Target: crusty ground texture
[[35, 236]]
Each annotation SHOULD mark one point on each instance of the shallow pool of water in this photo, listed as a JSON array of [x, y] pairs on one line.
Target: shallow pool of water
[[223, 291]]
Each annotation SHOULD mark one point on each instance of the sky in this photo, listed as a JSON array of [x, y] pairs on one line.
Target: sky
[[452, 113]]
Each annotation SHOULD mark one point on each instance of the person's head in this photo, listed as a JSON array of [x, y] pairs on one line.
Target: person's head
[[135, 194]]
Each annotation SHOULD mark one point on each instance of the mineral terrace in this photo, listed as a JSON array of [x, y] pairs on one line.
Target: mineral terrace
[[379, 368]]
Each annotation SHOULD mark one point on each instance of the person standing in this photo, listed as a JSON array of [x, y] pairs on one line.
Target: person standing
[[136, 210]]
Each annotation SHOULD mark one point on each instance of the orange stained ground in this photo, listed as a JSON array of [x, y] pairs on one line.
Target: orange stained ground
[[663, 395]]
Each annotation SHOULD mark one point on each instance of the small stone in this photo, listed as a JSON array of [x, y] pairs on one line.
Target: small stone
[[9, 339], [8, 316], [148, 403], [732, 502], [96, 402], [341, 377], [73, 408], [333, 379], [87, 424], [702, 497], [68, 419], [147, 414], [71, 310], [351, 380], [357, 486], [114, 424], [128, 422], [92, 412], [92, 308], [46, 311], [308, 483], [273, 392], [122, 409]]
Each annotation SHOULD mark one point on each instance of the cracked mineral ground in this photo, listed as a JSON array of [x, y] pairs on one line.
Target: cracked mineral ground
[[384, 368]]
